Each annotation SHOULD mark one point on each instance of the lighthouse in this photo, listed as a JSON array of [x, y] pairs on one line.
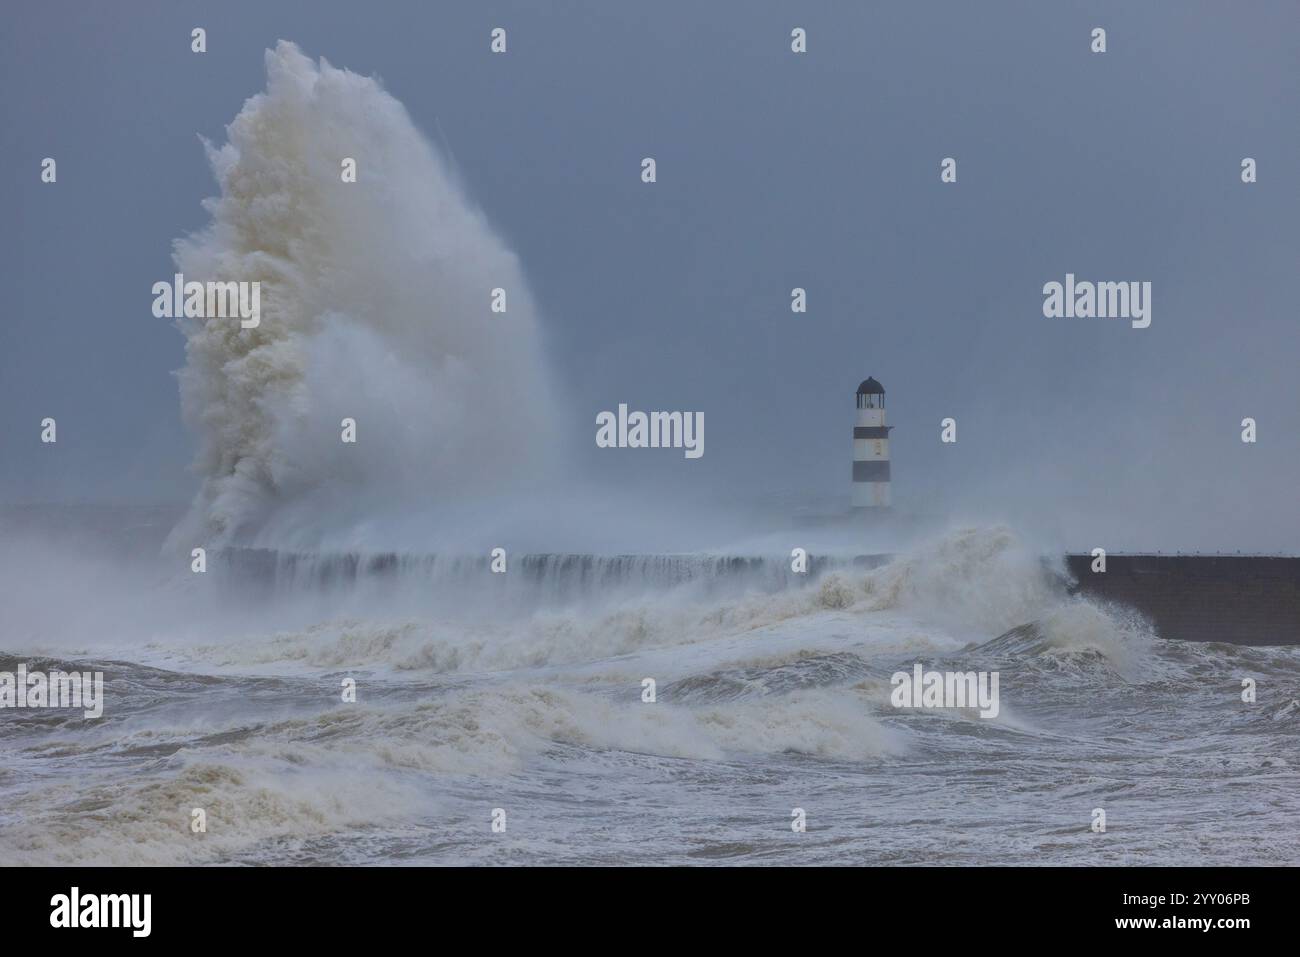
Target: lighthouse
[[871, 448]]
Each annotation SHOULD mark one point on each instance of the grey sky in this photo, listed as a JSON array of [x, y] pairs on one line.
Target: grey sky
[[775, 170]]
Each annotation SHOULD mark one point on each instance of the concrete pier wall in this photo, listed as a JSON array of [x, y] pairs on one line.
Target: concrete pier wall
[[1244, 600]]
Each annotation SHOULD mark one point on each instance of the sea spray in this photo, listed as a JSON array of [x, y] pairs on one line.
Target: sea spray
[[375, 308]]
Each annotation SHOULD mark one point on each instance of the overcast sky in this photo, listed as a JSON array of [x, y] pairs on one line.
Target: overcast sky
[[775, 170]]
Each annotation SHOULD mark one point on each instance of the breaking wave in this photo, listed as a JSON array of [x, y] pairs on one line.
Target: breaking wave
[[945, 594], [375, 307], [762, 682]]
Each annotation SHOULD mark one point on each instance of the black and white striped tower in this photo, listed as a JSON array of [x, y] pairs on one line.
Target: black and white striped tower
[[871, 448]]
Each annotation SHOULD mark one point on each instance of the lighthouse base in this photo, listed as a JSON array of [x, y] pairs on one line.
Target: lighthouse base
[[870, 494]]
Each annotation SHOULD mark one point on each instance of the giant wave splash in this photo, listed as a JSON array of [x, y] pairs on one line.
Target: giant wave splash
[[375, 307]]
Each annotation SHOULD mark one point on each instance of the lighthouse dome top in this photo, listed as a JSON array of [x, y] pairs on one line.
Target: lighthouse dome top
[[871, 387]]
